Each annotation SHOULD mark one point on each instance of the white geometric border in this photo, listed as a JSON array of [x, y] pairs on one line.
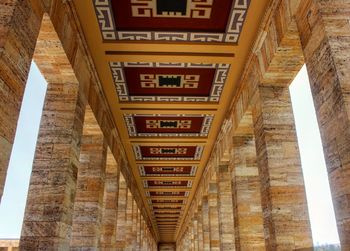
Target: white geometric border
[[187, 193], [130, 124], [105, 18], [143, 172], [138, 155], [189, 185], [117, 69], [170, 199]]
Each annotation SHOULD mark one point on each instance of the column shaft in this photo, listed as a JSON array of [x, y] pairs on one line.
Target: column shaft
[[227, 236], [325, 37], [121, 216], [49, 209], [110, 204], [200, 229], [128, 226], [206, 228], [285, 211], [214, 216], [89, 193], [17, 43], [249, 229]]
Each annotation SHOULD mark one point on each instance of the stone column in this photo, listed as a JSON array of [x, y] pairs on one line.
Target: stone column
[[121, 216], [90, 187], [48, 217], [195, 232], [214, 215], [144, 239], [206, 229], [249, 229], [110, 204], [134, 225], [142, 234], [138, 227], [200, 228], [128, 226], [286, 219], [17, 43], [227, 236], [325, 36]]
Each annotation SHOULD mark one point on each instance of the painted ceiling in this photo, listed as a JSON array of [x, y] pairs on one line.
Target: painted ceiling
[[169, 70]]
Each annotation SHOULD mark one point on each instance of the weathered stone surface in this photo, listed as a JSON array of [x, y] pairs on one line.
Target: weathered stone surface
[[325, 37], [227, 237], [213, 216], [200, 228], [88, 204], [110, 204], [249, 230], [286, 219], [48, 217], [121, 217], [19, 29]]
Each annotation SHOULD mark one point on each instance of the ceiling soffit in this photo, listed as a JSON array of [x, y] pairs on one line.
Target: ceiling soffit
[[168, 70]]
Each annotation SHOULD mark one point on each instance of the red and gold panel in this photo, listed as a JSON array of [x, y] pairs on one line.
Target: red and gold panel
[[153, 125], [154, 201], [165, 82], [164, 20], [167, 152], [167, 208], [167, 183], [179, 15], [167, 194], [166, 171]]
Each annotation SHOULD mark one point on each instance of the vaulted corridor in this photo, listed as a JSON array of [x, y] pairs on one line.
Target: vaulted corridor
[[168, 125]]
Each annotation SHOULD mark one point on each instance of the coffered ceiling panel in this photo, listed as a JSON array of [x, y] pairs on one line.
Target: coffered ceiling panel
[[164, 82], [180, 20], [169, 70], [162, 125]]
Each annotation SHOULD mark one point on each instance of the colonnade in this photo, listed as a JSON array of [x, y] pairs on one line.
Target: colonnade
[[251, 196]]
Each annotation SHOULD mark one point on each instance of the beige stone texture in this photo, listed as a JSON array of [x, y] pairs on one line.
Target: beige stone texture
[[286, 219], [214, 227], [121, 216], [249, 230], [325, 37], [110, 204], [19, 29], [49, 210], [88, 204], [225, 206]]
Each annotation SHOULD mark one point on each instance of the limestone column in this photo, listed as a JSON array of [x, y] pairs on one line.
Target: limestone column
[[325, 36], [88, 202], [138, 227], [49, 210], [200, 228], [144, 239], [195, 232], [249, 229], [285, 211], [128, 230], [206, 229], [134, 225], [110, 203], [19, 29], [142, 244], [227, 236], [214, 215], [191, 235], [121, 215]]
